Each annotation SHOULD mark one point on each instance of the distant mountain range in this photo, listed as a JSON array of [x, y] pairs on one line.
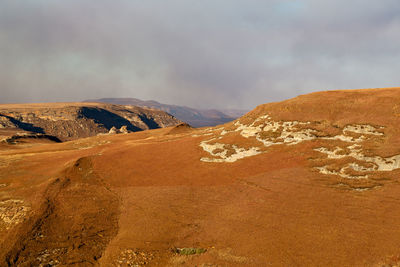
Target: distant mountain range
[[195, 117]]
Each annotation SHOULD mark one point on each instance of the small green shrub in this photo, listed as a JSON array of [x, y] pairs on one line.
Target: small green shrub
[[190, 251]]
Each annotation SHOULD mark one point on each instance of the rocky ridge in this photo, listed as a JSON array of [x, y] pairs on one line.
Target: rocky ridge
[[68, 121]]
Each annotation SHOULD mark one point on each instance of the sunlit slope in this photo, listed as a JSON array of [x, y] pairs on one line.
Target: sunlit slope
[[311, 181]]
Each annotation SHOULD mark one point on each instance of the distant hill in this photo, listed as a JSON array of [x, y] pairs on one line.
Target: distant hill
[[195, 117], [68, 121]]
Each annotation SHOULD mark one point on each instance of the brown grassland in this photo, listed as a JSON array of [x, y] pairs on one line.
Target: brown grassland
[[147, 199]]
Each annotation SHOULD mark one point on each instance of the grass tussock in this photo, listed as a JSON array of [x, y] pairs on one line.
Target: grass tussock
[[189, 251]]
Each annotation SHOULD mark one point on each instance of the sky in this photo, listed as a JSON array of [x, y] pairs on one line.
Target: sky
[[198, 53]]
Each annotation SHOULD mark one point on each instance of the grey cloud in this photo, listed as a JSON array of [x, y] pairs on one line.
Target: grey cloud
[[198, 53]]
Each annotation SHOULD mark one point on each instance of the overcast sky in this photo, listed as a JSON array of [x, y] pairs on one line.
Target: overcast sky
[[200, 53]]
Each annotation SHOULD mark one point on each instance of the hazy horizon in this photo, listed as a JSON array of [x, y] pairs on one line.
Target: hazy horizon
[[208, 54]]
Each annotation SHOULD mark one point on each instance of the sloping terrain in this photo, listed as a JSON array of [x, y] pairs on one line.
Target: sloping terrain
[[194, 117], [68, 121], [311, 181]]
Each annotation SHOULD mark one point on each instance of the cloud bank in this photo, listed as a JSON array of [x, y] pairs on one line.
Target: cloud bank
[[223, 54]]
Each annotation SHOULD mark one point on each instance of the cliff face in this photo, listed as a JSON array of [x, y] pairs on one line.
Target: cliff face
[[68, 121]]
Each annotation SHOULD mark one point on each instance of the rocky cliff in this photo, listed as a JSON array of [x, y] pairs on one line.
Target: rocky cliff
[[68, 121]]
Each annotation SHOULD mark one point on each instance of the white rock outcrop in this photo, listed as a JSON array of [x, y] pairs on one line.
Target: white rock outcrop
[[269, 133]]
